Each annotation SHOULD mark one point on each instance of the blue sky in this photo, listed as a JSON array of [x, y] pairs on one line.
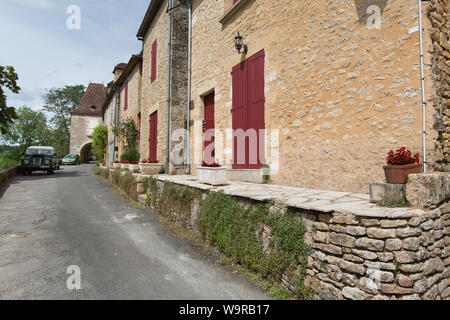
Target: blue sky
[[46, 54]]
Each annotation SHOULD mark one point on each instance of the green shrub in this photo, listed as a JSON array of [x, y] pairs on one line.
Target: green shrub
[[130, 155], [232, 228]]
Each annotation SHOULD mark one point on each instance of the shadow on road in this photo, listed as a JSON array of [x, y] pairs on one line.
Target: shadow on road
[[64, 172]]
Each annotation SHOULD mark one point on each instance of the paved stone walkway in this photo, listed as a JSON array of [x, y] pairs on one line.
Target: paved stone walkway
[[302, 198]]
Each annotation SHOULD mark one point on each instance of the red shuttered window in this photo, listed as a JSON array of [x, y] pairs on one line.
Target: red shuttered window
[[125, 105], [153, 138], [248, 113], [154, 61]]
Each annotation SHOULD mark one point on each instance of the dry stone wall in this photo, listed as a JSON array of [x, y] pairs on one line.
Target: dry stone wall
[[438, 13], [390, 257]]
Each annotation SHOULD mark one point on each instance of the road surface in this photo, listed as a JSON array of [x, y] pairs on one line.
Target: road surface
[[114, 251]]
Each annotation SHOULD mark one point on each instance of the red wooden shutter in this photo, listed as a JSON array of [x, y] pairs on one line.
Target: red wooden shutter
[[239, 115], [154, 56], [153, 138], [248, 112], [208, 125], [126, 97], [255, 107]]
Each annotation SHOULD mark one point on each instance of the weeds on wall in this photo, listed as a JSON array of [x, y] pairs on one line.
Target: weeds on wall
[[223, 222]]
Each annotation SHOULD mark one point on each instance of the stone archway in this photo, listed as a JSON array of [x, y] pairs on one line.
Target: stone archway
[[85, 150]]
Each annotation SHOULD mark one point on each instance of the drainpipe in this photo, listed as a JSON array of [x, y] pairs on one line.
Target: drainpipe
[[169, 44], [188, 139], [424, 103]]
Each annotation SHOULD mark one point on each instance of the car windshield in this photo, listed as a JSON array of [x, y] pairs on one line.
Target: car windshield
[[39, 152], [70, 156]]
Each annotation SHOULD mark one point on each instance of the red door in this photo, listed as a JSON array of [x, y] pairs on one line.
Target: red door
[[248, 113], [153, 137], [209, 154]]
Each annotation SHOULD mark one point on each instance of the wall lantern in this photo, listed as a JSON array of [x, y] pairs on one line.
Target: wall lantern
[[239, 43]]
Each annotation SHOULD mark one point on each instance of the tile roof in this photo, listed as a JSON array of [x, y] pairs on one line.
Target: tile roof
[[92, 101]]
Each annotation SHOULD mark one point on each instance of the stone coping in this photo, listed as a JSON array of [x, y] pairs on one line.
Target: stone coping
[[322, 201]]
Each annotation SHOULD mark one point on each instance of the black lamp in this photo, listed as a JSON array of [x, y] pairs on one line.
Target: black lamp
[[239, 43]]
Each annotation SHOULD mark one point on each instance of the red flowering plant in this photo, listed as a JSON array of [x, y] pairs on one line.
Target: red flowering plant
[[117, 161], [125, 161], [402, 157], [134, 162], [149, 161], [213, 165]]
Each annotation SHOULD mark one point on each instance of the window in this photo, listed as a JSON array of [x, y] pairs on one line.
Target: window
[[154, 52]]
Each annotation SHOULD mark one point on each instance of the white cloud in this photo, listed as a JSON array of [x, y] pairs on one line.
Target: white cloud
[[35, 4]]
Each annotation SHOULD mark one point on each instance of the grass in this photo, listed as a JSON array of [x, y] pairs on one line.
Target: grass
[[6, 162]]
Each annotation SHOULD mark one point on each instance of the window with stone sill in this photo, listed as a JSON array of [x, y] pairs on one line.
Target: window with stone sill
[[231, 7]]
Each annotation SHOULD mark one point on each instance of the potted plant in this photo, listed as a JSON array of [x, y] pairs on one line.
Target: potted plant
[[400, 164], [213, 174], [150, 167], [134, 166], [116, 164], [124, 164]]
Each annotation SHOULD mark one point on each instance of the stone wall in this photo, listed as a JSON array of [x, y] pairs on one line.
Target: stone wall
[[384, 257], [7, 173], [340, 94], [438, 13]]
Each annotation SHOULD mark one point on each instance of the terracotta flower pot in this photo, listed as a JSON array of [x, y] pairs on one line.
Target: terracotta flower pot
[[399, 174]]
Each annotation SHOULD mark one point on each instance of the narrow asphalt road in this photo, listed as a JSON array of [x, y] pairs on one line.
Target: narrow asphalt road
[[73, 218]]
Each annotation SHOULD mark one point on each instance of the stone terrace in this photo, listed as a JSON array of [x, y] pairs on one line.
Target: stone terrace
[[324, 201]]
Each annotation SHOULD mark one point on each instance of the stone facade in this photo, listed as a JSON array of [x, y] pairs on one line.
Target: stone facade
[[85, 118], [438, 13], [133, 78], [340, 95], [81, 134], [154, 94]]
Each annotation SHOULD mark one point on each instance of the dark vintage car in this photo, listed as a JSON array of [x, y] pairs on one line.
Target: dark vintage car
[[39, 159]]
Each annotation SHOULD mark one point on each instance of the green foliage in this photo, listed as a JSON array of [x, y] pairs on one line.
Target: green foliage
[[30, 128], [6, 162], [131, 155], [8, 79], [232, 228], [60, 102], [127, 132], [279, 292], [162, 170], [99, 137]]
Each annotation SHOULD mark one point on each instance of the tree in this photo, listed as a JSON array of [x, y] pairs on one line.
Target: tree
[[60, 102], [8, 79], [30, 128], [99, 137]]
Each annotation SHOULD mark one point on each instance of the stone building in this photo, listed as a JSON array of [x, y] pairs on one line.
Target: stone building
[[85, 118], [331, 85], [163, 88]]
